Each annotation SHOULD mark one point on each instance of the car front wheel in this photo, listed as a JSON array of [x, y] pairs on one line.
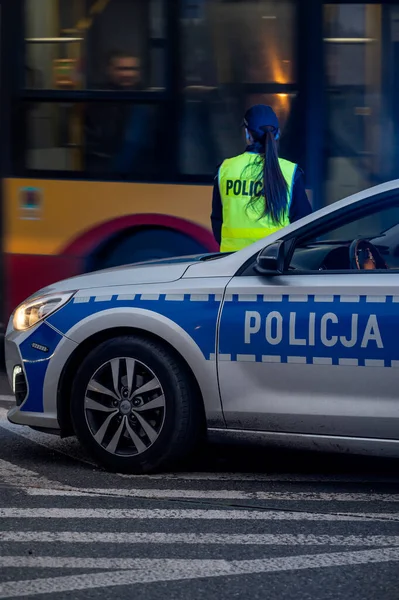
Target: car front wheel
[[134, 406]]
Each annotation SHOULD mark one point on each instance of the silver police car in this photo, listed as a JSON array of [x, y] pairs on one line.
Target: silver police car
[[293, 341]]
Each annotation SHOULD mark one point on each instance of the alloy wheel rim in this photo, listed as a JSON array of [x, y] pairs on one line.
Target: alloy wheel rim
[[124, 407]]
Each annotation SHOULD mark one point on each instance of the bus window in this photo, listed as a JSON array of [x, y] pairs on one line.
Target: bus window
[[111, 140], [95, 44], [228, 48]]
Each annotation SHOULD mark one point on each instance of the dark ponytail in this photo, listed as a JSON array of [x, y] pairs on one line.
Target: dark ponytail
[[266, 170]]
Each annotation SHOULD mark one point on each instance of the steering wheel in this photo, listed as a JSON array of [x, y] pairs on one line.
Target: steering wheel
[[363, 255]]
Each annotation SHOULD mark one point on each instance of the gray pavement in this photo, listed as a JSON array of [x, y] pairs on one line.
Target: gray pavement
[[235, 523]]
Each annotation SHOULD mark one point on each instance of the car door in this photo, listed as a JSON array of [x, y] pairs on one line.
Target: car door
[[314, 352]]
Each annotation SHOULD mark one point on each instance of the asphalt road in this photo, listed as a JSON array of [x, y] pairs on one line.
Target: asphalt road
[[237, 523]]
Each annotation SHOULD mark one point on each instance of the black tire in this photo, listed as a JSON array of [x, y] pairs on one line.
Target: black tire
[[183, 423]]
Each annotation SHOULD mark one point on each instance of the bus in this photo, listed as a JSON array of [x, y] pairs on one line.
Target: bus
[[115, 115]]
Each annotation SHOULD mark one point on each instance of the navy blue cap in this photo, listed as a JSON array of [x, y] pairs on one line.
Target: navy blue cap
[[261, 115]]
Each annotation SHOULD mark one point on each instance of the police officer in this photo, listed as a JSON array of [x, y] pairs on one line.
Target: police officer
[[256, 193]]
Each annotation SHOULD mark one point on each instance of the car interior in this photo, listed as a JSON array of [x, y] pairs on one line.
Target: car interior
[[357, 254], [368, 241]]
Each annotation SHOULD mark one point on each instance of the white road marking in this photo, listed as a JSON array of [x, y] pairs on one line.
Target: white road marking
[[7, 398], [16, 476], [36, 485], [70, 562], [262, 477], [89, 537], [150, 571], [200, 514], [136, 564], [71, 449], [219, 494]]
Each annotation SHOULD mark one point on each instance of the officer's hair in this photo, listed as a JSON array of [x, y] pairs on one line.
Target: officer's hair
[[266, 169]]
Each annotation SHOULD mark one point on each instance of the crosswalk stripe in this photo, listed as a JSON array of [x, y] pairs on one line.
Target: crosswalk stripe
[[263, 477], [37, 485], [72, 450], [6, 398], [219, 495], [200, 514], [157, 570], [70, 562], [121, 563], [17, 476], [267, 539]]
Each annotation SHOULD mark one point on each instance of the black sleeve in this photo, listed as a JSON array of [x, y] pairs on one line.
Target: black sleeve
[[217, 211], [300, 205]]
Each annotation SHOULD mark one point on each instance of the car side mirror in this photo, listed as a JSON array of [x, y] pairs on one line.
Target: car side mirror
[[271, 259]]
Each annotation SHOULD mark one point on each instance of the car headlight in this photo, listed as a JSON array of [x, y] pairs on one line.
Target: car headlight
[[31, 312]]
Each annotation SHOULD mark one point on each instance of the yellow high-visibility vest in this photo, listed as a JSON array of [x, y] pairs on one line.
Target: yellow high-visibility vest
[[241, 225]]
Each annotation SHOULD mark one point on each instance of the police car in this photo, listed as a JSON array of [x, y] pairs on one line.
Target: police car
[[293, 341]]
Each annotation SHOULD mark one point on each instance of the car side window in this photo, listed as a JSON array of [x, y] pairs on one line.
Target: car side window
[[368, 242]]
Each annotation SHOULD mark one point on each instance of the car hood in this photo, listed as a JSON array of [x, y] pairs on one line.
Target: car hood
[[154, 271]]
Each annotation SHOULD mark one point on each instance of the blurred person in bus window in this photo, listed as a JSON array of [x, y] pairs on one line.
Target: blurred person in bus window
[[119, 135], [124, 71], [256, 193]]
